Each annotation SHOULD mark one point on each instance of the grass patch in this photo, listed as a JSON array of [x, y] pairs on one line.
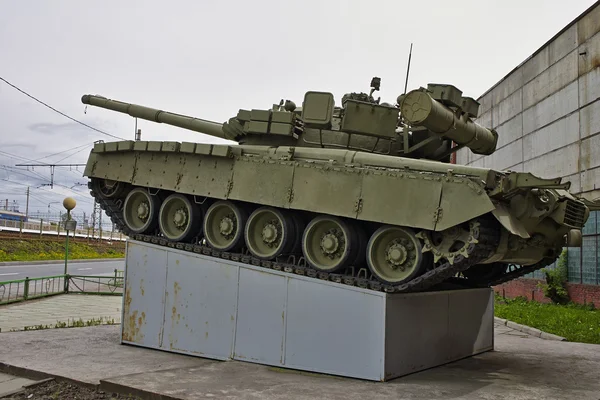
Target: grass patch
[[575, 322], [39, 250]]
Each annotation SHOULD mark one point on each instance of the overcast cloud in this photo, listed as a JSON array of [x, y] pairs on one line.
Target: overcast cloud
[[208, 59]]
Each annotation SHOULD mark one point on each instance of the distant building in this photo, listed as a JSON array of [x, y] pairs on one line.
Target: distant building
[[547, 114]]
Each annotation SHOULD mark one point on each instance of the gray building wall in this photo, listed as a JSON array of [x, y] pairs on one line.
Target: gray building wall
[[547, 110], [547, 114]]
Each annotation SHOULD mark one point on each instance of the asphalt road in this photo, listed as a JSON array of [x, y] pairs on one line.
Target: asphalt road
[[96, 268]]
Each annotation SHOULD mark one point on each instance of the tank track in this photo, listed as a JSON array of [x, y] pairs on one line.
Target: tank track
[[487, 242]]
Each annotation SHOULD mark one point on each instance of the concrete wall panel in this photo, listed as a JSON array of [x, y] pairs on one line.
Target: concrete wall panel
[[589, 55], [590, 153], [508, 86], [589, 120], [485, 119], [562, 162], [588, 26], [550, 109], [590, 180], [551, 80], [556, 135], [506, 156], [509, 107], [556, 50], [510, 131], [485, 102], [589, 87]]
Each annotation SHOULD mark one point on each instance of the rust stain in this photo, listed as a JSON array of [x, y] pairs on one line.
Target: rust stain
[[177, 262], [206, 335], [595, 62], [142, 287]]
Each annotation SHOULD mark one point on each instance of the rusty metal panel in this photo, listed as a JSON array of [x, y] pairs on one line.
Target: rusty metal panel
[[200, 305], [260, 331], [222, 309], [144, 295], [335, 329]]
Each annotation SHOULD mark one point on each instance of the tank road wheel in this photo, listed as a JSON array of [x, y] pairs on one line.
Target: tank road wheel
[[179, 218], [270, 232], [140, 210], [394, 254], [224, 224], [329, 244]]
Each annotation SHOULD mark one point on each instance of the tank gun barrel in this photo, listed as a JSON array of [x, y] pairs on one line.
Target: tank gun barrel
[[152, 114], [420, 109]]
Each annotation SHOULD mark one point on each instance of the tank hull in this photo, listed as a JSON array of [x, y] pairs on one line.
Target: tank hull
[[448, 219]]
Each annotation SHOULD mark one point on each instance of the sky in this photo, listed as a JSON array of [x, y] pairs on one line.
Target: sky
[[209, 59]]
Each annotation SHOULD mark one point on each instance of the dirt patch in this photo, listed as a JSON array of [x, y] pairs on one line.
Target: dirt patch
[[53, 390]]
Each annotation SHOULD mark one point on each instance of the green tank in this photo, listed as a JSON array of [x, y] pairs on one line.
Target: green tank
[[362, 193]]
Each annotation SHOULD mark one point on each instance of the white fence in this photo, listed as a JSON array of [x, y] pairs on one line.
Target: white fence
[[57, 230]]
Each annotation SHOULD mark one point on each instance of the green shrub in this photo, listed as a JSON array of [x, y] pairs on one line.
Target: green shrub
[[555, 287]]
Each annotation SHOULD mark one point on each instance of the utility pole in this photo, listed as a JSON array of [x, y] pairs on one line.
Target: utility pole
[[27, 205]]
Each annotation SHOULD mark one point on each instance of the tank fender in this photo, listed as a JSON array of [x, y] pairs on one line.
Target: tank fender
[[508, 221], [461, 200]]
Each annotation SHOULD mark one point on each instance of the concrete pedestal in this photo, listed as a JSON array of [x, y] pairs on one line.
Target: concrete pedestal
[[192, 304]]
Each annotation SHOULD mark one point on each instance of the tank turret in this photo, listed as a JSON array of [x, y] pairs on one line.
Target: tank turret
[[427, 123]]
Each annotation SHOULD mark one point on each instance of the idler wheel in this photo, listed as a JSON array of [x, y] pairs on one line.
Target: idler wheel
[[140, 210], [179, 219], [107, 188], [394, 254], [329, 243], [270, 232], [224, 224]]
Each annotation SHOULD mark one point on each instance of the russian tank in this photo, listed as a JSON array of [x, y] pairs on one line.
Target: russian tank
[[363, 193]]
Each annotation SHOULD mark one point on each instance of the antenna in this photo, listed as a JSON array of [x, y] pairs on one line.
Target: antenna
[[408, 68]]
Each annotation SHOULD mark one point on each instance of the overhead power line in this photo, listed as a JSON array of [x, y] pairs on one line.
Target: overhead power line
[[61, 113]]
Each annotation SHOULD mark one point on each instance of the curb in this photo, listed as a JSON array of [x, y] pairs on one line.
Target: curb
[[103, 384], [42, 377], [113, 387], [42, 262], [529, 330]]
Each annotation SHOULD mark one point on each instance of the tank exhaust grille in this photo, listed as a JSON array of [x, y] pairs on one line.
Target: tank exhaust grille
[[574, 214]]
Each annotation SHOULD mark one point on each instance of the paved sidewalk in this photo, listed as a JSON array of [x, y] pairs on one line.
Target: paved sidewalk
[[64, 308], [521, 367]]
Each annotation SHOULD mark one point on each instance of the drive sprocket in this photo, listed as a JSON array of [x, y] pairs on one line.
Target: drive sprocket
[[451, 242]]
